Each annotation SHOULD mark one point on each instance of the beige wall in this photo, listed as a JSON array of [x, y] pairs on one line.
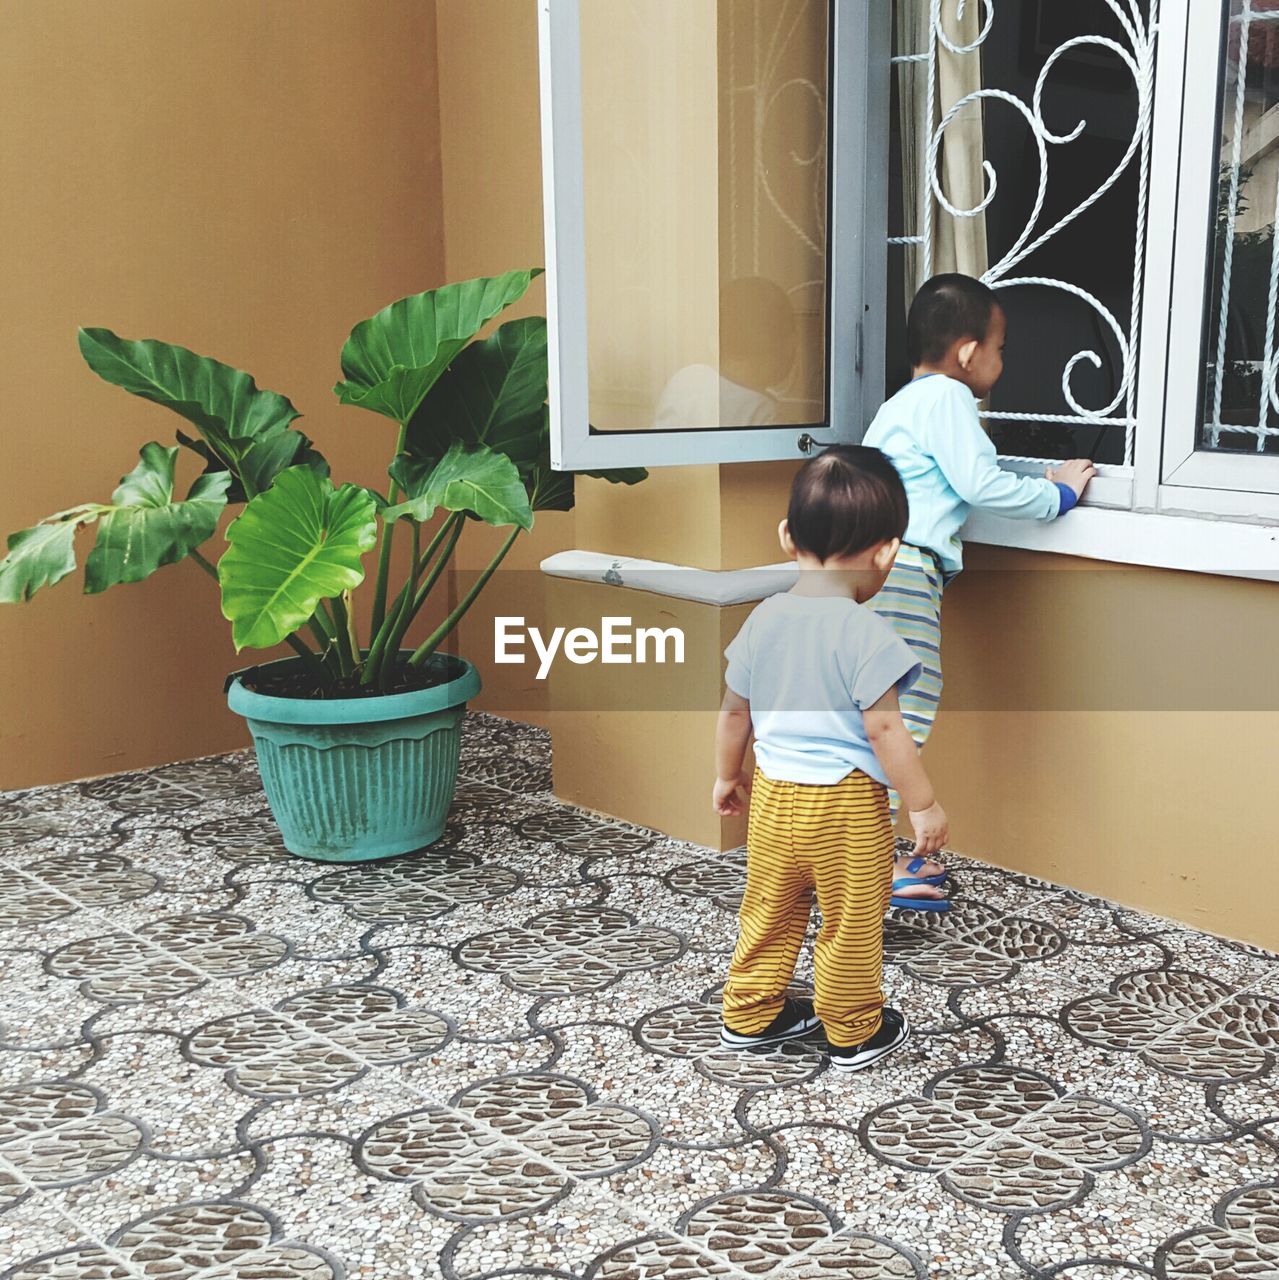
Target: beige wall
[[1158, 792], [491, 149], [1162, 809], [492, 182], [248, 180]]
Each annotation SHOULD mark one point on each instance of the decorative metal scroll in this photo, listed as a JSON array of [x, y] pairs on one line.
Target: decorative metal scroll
[[1136, 53]]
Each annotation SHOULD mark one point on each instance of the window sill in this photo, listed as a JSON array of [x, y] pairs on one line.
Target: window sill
[[1185, 542], [720, 587], [1121, 537]]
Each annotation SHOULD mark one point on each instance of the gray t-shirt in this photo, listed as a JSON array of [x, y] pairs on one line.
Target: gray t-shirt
[[809, 666]]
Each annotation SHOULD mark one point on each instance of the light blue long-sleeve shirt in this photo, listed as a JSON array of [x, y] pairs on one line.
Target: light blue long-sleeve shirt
[[931, 433]]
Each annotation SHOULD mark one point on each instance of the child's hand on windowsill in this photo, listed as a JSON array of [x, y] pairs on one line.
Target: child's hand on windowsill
[[731, 796], [1076, 473]]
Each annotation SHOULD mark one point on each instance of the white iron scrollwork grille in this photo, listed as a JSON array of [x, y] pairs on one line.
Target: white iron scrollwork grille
[[1014, 266], [1241, 395]]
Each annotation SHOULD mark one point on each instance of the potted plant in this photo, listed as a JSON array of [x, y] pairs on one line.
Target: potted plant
[[357, 736]]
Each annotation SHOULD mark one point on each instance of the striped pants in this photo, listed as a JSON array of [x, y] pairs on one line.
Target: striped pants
[[837, 840], [910, 601]]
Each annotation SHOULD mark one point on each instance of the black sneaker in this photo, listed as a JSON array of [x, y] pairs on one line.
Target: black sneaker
[[795, 1021], [894, 1033]]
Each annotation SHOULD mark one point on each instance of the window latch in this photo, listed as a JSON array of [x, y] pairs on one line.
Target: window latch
[[807, 443]]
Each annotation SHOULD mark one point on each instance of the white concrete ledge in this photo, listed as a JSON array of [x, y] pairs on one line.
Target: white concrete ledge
[[707, 586], [1140, 538], [1122, 537]]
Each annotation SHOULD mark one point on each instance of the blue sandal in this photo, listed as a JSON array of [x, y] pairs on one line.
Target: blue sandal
[[912, 866], [918, 904]]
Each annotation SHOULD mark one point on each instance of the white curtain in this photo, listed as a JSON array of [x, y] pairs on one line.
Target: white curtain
[[958, 244]]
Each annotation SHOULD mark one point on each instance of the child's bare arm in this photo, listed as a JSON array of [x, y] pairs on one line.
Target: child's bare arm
[[896, 751], [732, 733]]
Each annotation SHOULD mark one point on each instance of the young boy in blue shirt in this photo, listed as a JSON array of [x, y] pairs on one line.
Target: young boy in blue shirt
[[816, 675], [931, 432]]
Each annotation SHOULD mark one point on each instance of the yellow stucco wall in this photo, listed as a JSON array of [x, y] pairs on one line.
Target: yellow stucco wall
[[492, 184], [1115, 729], [300, 189], [1164, 809], [245, 179]]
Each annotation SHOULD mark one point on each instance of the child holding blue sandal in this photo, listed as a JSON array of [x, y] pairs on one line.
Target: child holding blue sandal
[[931, 432]]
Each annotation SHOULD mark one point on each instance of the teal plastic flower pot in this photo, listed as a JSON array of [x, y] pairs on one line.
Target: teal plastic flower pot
[[351, 779]]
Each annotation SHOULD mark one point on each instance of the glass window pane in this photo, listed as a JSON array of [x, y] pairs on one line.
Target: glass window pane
[[1240, 403], [705, 159]]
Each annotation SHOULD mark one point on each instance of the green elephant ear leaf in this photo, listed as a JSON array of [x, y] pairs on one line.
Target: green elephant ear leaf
[[413, 475], [144, 528], [556, 490], [551, 490], [492, 394], [300, 542], [224, 404], [480, 481], [37, 557], [260, 462], [393, 359], [266, 458], [618, 475]]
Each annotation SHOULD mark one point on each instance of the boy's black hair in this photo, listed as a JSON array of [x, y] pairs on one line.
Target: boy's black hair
[[947, 309], [845, 500]]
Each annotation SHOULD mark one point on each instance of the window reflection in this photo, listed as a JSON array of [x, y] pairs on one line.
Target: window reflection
[[704, 136]]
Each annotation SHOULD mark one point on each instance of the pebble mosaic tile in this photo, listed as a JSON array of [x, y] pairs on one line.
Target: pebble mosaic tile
[[498, 1058]]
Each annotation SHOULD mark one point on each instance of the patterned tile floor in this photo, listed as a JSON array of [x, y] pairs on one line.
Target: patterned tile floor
[[499, 1058]]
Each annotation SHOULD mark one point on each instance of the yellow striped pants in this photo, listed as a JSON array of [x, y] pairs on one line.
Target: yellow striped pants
[[837, 840]]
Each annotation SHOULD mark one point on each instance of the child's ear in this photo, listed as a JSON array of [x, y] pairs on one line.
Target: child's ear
[[886, 553], [783, 536], [966, 352]]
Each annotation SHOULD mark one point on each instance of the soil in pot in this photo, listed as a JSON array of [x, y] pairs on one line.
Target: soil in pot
[[296, 682]]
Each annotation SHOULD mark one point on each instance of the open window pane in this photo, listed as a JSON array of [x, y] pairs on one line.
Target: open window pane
[[704, 147], [1239, 409], [715, 181]]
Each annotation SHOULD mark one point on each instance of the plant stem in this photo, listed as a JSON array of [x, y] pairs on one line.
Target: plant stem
[[309, 660], [405, 608], [414, 605], [458, 520], [342, 636], [352, 627], [325, 629], [373, 663], [332, 618], [206, 565], [327, 657], [321, 624], [402, 615], [381, 668], [432, 642], [388, 532]]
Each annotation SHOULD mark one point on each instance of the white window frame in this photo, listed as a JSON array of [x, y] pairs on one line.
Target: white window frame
[[856, 259], [1175, 506], [1194, 479]]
